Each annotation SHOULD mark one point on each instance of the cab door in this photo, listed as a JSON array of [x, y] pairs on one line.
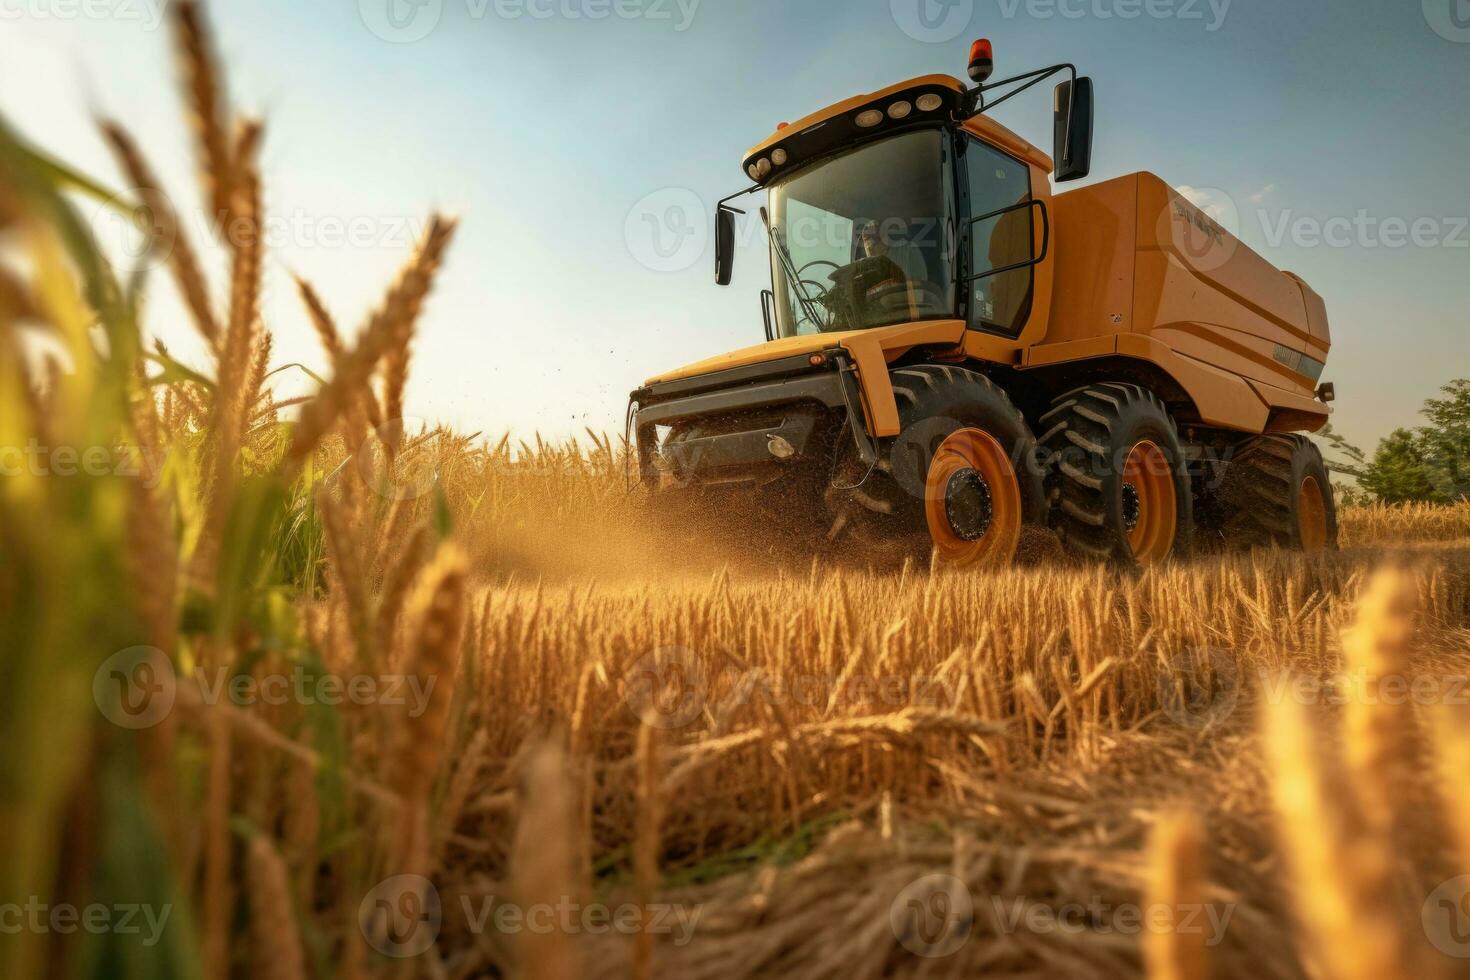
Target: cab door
[[1004, 238]]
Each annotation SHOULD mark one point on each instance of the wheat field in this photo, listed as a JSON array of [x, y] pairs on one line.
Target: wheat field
[[304, 694]]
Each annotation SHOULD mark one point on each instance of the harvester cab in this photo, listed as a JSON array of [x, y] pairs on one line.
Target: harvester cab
[[954, 351]]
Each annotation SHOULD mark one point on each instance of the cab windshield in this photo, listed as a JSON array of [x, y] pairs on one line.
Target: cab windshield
[[864, 239]]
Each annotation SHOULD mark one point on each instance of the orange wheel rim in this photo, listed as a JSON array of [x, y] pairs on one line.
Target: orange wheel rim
[[1150, 510], [972, 501], [1311, 515]]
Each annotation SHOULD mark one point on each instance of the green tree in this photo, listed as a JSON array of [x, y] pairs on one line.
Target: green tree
[[1445, 441], [1397, 472]]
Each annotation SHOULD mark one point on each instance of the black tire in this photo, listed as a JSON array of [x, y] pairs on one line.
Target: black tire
[[1089, 434], [885, 514], [1264, 497]]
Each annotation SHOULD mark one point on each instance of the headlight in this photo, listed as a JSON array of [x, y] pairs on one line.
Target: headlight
[[930, 102], [900, 110], [869, 118], [778, 157]]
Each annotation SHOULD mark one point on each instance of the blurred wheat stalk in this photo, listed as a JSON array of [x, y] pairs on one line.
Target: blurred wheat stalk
[[339, 543]]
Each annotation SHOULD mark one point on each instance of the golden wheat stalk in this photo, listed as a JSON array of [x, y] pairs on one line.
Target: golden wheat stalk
[[1452, 762], [543, 864], [1339, 880], [1379, 727], [168, 231], [392, 321], [217, 901], [646, 845], [209, 113], [438, 614], [1177, 883], [277, 946]]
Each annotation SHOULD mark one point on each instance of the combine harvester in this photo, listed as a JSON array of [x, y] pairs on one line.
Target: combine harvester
[[954, 351]]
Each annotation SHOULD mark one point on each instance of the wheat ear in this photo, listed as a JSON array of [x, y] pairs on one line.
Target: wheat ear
[[277, 942], [1176, 882], [393, 320], [543, 863]]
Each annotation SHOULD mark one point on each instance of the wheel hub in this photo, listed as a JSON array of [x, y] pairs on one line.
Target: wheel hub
[[1132, 509], [968, 506]]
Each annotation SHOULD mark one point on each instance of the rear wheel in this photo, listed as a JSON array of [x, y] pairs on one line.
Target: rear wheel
[[1276, 492], [957, 479], [1120, 489]]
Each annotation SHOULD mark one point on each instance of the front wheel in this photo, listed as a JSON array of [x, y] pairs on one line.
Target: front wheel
[[959, 480]]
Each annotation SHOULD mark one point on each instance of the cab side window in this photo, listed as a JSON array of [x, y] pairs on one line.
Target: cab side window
[[998, 301]]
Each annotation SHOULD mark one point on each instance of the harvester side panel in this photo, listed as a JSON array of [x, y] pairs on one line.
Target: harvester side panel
[[1095, 243], [1238, 334]]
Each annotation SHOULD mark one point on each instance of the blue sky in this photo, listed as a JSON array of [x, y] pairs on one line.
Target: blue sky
[[1322, 130]]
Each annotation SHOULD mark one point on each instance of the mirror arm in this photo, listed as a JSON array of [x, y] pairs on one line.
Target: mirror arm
[[723, 202], [975, 100]]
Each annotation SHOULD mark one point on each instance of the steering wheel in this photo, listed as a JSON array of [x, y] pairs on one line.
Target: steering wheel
[[801, 273]]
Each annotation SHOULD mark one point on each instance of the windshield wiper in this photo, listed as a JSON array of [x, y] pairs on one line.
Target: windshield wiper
[[788, 266]]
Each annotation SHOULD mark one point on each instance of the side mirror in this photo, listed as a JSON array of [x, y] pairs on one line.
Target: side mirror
[[724, 245], [1072, 130]]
